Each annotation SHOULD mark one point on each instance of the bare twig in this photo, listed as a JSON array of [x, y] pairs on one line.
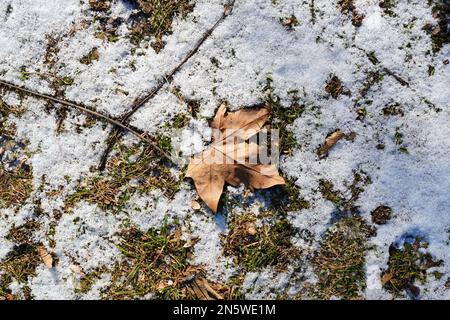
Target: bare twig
[[116, 132], [312, 9], [396, 77], [389, 72], [84, 109]]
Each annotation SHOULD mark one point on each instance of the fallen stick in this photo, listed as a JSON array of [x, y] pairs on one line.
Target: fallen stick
[[116, 131], [396, 77], [84, 109], [389, 72]]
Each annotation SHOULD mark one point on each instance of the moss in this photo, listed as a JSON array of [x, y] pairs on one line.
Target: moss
[[295, 201], [215, 62], [398, 139], [24, 75], [180, 121], [255, 247], [339, 264], [373, 58], [329, 193], [165, 143], [407, 265]]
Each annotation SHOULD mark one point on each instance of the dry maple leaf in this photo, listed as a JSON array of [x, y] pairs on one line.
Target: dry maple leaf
[[232, 162], [246, 123]]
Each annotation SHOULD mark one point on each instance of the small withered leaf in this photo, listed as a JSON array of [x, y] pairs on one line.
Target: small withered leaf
[[330, 141], [45, 256]]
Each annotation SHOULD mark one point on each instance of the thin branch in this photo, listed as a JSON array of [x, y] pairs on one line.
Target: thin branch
[[396, 77], [84, 109], [312, 9], [389, 72], [116, 131]]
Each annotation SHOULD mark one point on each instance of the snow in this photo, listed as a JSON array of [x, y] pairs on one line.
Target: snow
[[86, 236], [250, 46]]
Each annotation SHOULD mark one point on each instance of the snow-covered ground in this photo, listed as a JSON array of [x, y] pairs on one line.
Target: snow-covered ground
[[406, 155]]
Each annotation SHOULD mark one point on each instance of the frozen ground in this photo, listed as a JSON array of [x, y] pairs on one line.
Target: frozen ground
[[391, 99]]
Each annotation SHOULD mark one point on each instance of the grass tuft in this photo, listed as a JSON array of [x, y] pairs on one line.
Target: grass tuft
[[407, 265], [255, 247], [91, 56], [156, 263], [21, 262], [440, 35], [16, 186], [282, 117], [388, 7], [339, 264], [133, 169], [360, 180], [155, 19], [336, 88]]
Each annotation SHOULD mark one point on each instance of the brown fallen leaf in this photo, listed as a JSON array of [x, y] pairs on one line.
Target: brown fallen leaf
[[245, 123], [78, 270], [191, 241], [330, 141], [45, 256], [387, 277], [251, 228], [209, 178], [210, 172], [195, 205], [230, 161]]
